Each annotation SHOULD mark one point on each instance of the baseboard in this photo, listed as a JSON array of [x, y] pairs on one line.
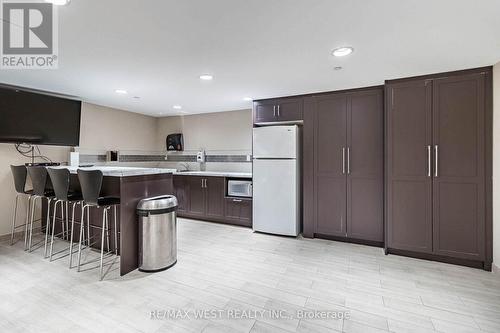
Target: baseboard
[[6, 237]]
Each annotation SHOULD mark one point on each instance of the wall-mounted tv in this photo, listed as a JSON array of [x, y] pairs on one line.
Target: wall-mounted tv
[[38, 118]]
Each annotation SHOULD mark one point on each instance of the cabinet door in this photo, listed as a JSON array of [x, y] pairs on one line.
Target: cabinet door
[[409, 182], [264, 112], [239, 211], [181, 191], [214, 197], [365, 188], [197, 199], [329, 166], [458, 133], [290, 109]]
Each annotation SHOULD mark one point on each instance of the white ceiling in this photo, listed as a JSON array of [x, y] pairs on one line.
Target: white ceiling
[[156, 49]]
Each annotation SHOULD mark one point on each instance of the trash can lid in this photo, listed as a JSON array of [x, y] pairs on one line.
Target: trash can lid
[[157, 205]]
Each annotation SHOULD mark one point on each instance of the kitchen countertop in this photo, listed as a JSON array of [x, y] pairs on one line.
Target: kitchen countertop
[[115, 171], [215, 174]]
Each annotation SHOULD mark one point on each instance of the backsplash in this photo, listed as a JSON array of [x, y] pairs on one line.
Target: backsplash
[[88, 156]]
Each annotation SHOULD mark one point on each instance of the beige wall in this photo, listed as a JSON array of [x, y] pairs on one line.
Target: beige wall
[[496, 165], [110, 129], [101, 129], [213, 131]]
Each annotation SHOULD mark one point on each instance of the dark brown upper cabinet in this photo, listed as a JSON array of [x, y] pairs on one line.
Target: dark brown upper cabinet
[[437, 158], [278, 110], [345, 132]]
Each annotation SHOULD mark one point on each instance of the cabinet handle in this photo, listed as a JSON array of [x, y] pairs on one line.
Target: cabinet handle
[[348, 160], [274, 111], [436, 166], [278, 111], [237, 200], [429, 167], [202, 183], [343, 160], [206, 183]]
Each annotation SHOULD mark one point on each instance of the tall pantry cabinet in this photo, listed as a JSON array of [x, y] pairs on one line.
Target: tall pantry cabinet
[[438, 167], [343, 165]]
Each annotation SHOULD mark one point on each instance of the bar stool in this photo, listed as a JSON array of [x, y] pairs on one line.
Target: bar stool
[[91, 183], [20, 173], [60, 181], [38, 176]]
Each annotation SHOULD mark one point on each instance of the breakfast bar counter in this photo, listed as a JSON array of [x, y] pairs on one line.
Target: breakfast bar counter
[[130, 185]]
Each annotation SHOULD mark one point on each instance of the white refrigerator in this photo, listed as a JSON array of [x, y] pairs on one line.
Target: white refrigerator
[[276, 180]]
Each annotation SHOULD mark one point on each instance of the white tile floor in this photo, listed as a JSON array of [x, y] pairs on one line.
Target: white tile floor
[[226, 268]]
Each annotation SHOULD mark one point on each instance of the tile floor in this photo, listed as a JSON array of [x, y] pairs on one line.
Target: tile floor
[[232, 272]]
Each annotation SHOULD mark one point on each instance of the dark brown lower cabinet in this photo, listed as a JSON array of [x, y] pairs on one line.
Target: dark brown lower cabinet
[[345, 133], [239, 211], [438, 155], [203, 198]]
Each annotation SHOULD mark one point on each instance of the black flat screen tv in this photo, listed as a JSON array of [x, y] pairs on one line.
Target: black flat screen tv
[[38, 118]]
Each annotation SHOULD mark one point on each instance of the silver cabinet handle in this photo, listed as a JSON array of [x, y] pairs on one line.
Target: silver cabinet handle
[[429, 167], [343, 160], [237, 200], [278, 111], [274, 110], [436, 161], [202, 183], [348, 160], [206, 183]]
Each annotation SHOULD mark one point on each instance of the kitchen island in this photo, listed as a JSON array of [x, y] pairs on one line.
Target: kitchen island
[[130, 185]]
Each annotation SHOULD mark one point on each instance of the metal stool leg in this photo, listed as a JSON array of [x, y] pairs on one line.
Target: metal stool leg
[[47, 227], [66, 235], [88, 226], [116, 231], [71, 235], [26, 224], [104, 223], [81, 236], [31, 223], [14, 220], [54, 225]]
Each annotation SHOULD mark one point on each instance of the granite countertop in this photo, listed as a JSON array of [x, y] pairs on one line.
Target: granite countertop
[[215, 174], [115, 171]]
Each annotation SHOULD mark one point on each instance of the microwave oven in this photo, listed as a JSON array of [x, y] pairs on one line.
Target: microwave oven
[[239, 188]]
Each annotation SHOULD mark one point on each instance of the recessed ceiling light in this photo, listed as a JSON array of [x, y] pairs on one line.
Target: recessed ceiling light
[[121, 91], [136, 97], [58, 2], [206, 77], [342, 51], [247, 99], [177, 107], [337, 68]]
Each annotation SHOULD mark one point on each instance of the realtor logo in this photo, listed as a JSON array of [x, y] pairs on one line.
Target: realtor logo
[[29, 35]]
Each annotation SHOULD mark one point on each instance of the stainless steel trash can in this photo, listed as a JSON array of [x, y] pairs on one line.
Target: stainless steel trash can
[[157, 233]]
